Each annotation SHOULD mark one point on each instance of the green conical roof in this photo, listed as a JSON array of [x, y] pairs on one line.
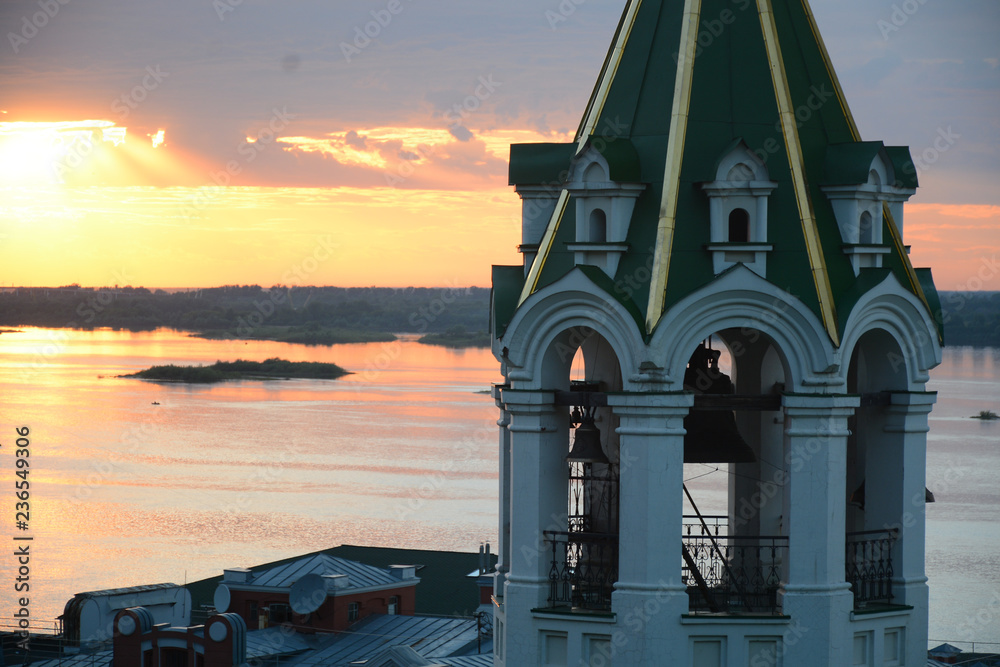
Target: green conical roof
[[684, 82]]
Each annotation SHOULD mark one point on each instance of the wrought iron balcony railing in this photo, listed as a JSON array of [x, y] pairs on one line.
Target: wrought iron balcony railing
[[584, 569], [724, 573], [868, 564], [733, 573]]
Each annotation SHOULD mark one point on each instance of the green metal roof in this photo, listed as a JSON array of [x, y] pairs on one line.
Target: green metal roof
[[684, 81], [849, 164], [537, 164], [507, 284], [444, 589], [902, 164]]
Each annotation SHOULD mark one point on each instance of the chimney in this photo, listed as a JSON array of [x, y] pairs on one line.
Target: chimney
[[237, 575], [403, 572], [337, 581]]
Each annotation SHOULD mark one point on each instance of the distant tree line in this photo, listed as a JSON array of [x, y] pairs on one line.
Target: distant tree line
[[249, 307], [970, 318]]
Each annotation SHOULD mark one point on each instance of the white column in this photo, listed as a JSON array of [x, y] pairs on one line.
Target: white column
[[539, 442], [503, 534], [907, 420], [816, 594], [649, 597]]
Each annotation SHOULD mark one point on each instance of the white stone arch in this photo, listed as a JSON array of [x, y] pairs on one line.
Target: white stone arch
[[880, 172], [741, 165], [891, 308], [571, 302], [590, 167], [740, 299]]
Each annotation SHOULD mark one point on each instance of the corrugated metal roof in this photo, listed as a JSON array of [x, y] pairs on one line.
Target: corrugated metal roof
[[127, 591], [359, 574], [484, 660], [444, 590], [99, 659], [432, 637], [273, 642]]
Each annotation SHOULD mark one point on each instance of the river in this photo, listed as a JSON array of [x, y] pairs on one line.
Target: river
[[136, 482]]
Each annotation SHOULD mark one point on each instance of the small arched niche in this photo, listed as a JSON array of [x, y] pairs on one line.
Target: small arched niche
[[865, 229], [598, 226], [739, 226]]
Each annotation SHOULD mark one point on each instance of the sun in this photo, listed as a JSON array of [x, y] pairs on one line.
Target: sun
[[40, 153], [28, 156]]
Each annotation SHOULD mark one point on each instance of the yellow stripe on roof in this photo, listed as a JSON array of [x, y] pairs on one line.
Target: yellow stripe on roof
[[672, 170], [544, 247], [600, 96], [789, 126], [842, 99]]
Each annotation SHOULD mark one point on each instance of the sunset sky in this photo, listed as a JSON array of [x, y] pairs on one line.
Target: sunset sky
[[209, 142]]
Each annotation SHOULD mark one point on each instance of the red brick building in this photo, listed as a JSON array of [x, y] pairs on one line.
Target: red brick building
[[319, 593], [140, 642]]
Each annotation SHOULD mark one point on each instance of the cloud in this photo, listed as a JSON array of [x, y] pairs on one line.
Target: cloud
[[460, 132], [226, 75], [352, 138]]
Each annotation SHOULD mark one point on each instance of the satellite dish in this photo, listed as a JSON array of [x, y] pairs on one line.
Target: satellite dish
[[222, 598], [307, 594]]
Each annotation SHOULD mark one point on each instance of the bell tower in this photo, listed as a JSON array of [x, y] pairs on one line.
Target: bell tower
[[714, 272]]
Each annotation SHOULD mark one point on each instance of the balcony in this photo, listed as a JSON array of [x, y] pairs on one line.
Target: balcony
[[724, 574], [731, 574], [868, 564], [584, 569]]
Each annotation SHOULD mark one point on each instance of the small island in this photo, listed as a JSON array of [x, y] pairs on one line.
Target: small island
[[986, 415], [220, 371]]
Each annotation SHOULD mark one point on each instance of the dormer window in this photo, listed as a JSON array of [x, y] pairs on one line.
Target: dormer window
[[603, 210], [738, 211], [858, 190]]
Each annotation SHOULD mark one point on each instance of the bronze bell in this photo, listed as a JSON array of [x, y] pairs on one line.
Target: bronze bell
[[587, 444], [712, 435], [858, 497]]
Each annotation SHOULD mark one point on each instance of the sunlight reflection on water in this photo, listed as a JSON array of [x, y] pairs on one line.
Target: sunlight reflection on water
[[400, 453]]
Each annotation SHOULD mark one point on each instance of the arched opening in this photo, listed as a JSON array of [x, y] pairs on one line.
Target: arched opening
[[735, 535], [739, 226], [866, 232], [598, 226], [875, 468], [584, 552]]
